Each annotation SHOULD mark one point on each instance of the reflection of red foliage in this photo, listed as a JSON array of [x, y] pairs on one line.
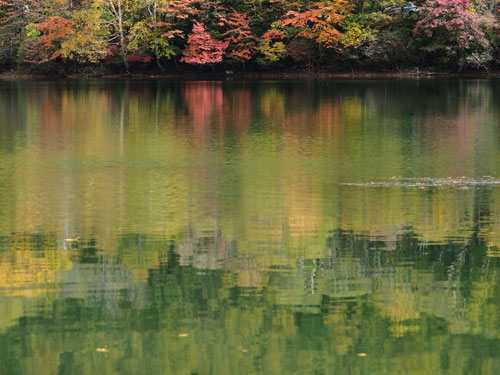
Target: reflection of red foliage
[[202, 48], [240, 110], [204, 100], [208, 105]]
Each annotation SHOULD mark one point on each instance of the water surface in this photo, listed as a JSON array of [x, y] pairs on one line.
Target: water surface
[[250, 227]]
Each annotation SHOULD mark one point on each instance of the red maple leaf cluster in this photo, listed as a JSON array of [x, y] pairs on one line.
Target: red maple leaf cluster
[[202, 48]]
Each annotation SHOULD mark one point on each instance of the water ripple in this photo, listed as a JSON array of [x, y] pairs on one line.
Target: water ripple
[[428, 182]]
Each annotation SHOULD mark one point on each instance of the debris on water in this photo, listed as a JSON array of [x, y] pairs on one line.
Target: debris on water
[[73, 240], [461, 183], [362, 355], [183, 334], [101, 350]]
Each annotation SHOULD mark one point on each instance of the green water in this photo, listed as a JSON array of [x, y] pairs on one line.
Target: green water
[[250, 227]]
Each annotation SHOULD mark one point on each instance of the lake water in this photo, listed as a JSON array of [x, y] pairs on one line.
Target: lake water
[[250, 227]]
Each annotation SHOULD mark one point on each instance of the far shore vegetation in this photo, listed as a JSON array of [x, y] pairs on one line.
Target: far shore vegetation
[[231, 37]]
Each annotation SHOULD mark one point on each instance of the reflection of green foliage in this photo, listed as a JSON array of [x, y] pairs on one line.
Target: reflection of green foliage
[[230, 327], [232, 226]]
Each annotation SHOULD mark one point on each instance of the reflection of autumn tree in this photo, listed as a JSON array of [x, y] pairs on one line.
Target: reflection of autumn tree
[[301, 111], [272, 106], [239, 111], [50, 112], [204, 102], [31, 265], [282, 324], [214, 107], [219, 207], [301, 203]]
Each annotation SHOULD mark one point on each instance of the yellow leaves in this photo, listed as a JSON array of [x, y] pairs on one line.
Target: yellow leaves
[[87, 43], [271, 50], [354, 34], [140, 34], [271, 45]]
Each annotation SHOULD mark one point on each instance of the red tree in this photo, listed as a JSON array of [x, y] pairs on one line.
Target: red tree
[[240, 38], [452, 29], [450, 22], [202, 48], [52, 32]]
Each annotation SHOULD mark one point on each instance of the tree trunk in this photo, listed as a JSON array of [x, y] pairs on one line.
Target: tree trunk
[[122, 36], [159, 64]]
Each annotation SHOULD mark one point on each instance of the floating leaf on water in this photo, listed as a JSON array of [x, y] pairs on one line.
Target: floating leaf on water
[[101, 350]]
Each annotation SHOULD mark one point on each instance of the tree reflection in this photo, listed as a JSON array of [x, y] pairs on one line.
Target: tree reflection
[[226, 211]]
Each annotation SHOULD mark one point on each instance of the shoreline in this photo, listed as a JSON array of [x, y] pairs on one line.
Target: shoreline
[[7, 76]]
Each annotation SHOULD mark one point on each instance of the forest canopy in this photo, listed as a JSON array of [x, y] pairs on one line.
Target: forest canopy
[[175, 35]]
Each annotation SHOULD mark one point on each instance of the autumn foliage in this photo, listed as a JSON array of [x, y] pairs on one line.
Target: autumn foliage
[[321, 22], [239, 36], [202, 48], [52, 33], [452, 29], [260, 34], [454, 20]]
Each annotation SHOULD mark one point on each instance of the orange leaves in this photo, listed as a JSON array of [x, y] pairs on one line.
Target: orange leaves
[[52, 32], [239, 28], [54, 29], [182, 9], [320, 22], [170, 31], [239, 36], [171, 34], [274, 35]]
